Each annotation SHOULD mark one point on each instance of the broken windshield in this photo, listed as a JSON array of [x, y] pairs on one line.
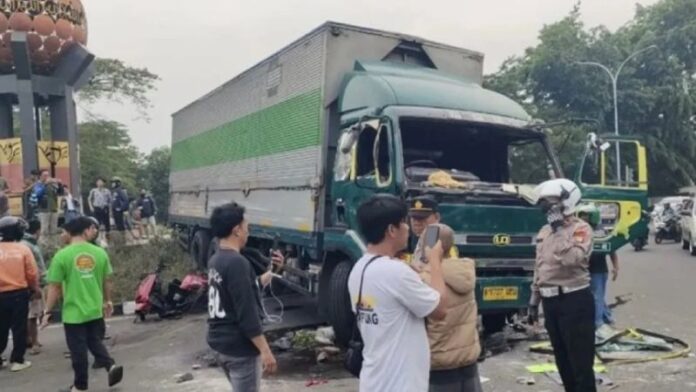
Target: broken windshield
[[473, 152]]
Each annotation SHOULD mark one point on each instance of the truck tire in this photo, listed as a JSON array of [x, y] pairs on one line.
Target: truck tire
[[199, 248], [340, 314], [493, 323], [212, 248]]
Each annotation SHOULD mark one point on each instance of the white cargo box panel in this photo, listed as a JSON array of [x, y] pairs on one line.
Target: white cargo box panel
[[260, 139]]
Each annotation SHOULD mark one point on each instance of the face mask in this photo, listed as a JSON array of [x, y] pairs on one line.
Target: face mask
[[554, 216]]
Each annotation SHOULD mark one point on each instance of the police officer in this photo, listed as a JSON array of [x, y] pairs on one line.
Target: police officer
[[423, 211], [562, 284]]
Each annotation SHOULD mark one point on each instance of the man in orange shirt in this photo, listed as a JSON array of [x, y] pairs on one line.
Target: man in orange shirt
[[18, 284]]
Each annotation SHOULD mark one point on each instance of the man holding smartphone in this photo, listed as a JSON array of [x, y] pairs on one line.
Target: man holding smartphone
[[234, 304], [394, 301], [423, 211], [454, 341]]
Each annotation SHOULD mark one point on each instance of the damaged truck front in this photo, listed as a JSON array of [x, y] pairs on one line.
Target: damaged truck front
[[302, 138], [412, 132]]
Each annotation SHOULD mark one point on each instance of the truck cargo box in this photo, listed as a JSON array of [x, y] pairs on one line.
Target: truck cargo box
[[262, 139]]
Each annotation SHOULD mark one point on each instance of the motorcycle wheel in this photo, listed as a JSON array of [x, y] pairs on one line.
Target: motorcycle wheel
[[638, 244], [658, 239]]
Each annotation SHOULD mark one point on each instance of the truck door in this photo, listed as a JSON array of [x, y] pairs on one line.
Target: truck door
[[614, 176], [364, 166]]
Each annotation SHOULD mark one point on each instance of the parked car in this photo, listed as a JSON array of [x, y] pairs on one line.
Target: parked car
[[688, 224]]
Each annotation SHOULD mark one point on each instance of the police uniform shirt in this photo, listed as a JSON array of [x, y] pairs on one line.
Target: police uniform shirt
[[562, 257]]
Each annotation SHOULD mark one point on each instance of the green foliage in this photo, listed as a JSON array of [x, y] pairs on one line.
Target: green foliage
[[117, 82], [153, 175], [106, 150], [656, 89]]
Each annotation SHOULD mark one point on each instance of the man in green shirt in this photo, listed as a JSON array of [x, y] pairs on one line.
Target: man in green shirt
[[81, 272]]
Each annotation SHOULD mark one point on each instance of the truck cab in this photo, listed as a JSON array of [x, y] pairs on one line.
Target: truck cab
[[410, 131]]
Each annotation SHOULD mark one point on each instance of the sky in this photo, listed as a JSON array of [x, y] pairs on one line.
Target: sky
[[195, 46]]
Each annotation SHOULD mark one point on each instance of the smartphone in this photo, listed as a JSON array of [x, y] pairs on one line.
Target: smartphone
[[432, 235]]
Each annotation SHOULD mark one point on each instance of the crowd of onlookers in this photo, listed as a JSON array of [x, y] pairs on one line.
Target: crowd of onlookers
[[78, 275], [49, 200]]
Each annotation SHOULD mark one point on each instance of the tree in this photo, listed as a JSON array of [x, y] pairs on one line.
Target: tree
[[153, 175], [106, 150], [118, 82], [656, 94]]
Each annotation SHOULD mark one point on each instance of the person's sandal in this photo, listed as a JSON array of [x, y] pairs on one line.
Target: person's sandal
[[115, 375]]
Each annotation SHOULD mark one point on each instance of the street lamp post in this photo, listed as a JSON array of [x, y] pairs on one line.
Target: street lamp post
[[614, 76]]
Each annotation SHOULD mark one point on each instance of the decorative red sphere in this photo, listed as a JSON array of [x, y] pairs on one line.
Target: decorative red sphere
[[53, 26]]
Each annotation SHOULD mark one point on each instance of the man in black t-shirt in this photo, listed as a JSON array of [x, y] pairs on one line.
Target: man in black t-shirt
[[234, 304]]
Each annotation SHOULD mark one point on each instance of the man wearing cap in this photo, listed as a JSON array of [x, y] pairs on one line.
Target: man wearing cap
[[423, 211]]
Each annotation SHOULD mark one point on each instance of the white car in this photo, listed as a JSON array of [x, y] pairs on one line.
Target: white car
[[688, 225]]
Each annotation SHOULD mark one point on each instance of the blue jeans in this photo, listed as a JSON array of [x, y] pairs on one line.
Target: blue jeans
[[598, 285]]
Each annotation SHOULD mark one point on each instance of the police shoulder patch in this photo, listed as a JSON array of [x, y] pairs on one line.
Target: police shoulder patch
[[581, 234]]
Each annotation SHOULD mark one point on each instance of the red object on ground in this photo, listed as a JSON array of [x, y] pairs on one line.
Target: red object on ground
[[194, 281], [142, 295]]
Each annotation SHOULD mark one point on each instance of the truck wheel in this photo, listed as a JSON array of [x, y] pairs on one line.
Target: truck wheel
[[340, 314], [199, 248], [212, 248], [493, 323]]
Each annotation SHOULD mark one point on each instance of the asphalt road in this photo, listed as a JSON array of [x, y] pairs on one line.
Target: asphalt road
[[658, 283]]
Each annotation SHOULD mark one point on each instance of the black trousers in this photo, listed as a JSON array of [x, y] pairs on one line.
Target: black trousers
[[14, 311], [80, 339], [102, 215], [119, 221], [570, 324]]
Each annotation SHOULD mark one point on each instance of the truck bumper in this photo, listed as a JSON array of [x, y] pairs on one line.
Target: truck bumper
[[497, 294]]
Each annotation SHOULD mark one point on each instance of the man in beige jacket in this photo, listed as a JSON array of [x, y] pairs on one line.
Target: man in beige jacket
[[454, 341]]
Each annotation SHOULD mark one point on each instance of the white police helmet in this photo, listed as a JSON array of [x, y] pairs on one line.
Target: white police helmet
[[564, 189]]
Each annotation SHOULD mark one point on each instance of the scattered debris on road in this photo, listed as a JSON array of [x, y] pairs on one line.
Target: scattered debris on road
[[182, 378], [526, 380]]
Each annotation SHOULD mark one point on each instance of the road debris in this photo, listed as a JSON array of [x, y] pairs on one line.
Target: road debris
[[325, 336], [182, 378], [526, 380], [315, 381], [284, 343]]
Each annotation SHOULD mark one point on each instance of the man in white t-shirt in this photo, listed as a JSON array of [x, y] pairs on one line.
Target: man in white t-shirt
[[395, 301]]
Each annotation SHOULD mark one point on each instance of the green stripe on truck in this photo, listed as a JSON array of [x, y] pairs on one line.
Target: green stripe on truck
[[289, 125]]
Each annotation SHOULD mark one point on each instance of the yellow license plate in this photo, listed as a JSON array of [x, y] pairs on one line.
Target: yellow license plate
[[497, 293]]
